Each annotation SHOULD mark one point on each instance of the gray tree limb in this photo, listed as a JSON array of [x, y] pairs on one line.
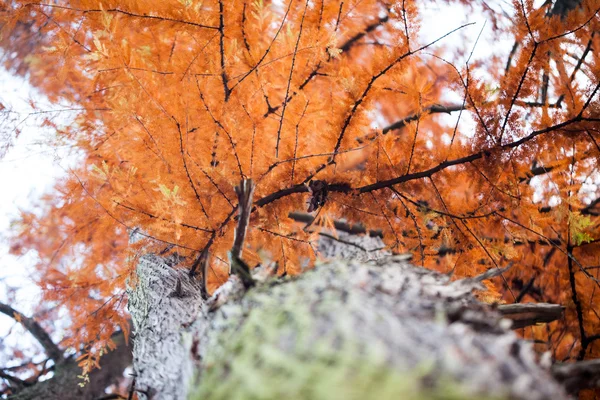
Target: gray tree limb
[[579, 375]]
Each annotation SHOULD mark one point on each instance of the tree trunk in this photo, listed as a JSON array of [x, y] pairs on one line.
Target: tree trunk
[[346, 329]]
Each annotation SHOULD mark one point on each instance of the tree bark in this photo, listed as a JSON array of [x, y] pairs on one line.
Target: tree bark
[[346, 329], [579, 375], [563, 7]]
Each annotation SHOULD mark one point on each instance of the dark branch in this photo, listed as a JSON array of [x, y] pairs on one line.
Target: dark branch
[[245, 193], [281, 193], [316, 71], [36, 330], [428, 110], [528, 314], [353, 229], [128, 13], [289, 81], [519, 86], [464, 160], [526, 289], [378, 75], [222, 50], [578, 375], [368, 29], [14, 381], [66, 382], [187, 171]]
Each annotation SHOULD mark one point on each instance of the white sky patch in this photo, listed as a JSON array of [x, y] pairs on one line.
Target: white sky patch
[[474, 41], [27, 171]]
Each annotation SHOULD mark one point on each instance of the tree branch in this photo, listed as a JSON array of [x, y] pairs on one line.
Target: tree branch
[[51, 349], [128, 13], [466, 159], [428, 110], [578, 375], [527, 314], [66, 382], [245, 192], [353, 229]]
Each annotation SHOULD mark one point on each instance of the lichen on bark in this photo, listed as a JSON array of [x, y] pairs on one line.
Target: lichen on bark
[[345, 329], [365, 330]]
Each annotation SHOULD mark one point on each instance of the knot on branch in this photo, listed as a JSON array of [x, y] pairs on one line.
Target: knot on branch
[[318, 194]]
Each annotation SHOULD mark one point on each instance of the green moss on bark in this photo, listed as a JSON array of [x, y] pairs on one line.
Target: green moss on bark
[[278, 352]]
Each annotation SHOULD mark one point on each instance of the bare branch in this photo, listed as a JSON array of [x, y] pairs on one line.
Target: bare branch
[[289, 82], [36, 330], [353, 229], [527, 314], [245, 192]]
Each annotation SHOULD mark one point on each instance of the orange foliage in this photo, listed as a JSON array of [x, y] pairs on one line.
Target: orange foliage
[[181, 99]]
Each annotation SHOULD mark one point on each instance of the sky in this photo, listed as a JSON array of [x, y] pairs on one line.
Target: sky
[[28, 170]]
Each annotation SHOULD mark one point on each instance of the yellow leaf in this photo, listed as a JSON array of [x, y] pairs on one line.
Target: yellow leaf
[[334, 52]]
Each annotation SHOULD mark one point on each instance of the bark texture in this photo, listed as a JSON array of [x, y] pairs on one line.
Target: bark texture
[[163, 303], [347, 329], [579, 375], [563, 7]]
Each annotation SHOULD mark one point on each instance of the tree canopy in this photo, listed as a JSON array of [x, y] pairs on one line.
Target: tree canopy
[[335, 109]]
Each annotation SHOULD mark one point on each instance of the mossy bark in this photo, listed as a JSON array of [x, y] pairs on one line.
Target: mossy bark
[[347, 329]]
